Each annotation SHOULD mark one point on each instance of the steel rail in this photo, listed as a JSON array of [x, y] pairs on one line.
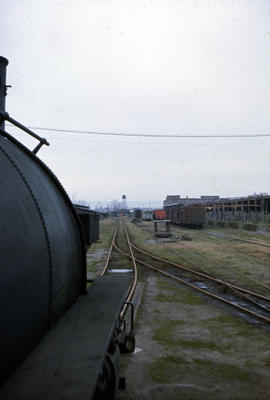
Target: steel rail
[[110, 251], [225, 282], [222, 265], [243, 309], [132, 289], [239, 292], [225, 236], [235, 289], [209, 277], [194, 264], [255, 242], [225, 266]]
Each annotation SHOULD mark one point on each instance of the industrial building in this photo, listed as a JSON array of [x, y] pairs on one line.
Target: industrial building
[[249, 209], [254, 208], [172, 200]]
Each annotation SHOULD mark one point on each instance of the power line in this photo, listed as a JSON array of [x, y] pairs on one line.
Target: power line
[[147, 136], [155, 143]]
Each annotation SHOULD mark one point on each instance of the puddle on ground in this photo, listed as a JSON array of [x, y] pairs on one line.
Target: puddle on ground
[[201, 285], [137, 350], [171, 385], [119, 271]]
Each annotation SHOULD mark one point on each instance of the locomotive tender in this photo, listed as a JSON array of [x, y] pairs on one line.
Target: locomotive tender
[[59, 339], [192, 216]]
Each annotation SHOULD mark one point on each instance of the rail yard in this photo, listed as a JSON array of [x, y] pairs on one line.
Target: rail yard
[[135, 234], [202, 309], [128, 304]]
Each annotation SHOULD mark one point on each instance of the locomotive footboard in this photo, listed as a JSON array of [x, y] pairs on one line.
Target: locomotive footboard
[[78, 358]]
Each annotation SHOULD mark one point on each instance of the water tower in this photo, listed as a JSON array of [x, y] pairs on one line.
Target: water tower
[[124, 202]]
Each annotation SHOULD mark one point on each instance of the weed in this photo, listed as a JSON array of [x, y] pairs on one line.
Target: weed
[[168, 299], [167, 369], [267, 362], [165, 332], [179, 294], [226, 371], [197, 345], [92, 266]]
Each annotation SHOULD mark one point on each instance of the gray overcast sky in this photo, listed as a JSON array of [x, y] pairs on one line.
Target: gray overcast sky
[[154, 67]]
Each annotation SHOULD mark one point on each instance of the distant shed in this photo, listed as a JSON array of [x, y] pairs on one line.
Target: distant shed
[[90, 223]]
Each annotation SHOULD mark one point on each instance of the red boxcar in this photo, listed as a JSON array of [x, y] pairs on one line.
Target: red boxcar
[[193, 216], [159, 214], [187, 215]]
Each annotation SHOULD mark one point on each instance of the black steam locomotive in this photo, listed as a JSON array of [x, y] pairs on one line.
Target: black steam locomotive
[[58, 339]]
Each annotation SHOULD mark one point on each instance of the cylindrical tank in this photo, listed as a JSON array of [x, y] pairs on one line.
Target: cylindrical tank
[[42, 256], [3, 67]]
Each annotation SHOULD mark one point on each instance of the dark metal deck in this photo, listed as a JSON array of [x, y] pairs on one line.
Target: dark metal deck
[[163, 234], [65, 364]]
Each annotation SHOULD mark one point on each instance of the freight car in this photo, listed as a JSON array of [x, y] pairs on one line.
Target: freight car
[[159, 214], [192, 216], [59, 339], [136, 214], [147, 215]]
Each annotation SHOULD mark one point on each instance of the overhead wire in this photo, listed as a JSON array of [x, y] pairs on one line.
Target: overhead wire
[[129, 134]]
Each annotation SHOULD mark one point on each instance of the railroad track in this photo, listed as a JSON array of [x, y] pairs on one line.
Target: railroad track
[[215, 262], [110, 262], [255, 305], [232, 237], [243, 252], [220, 235]]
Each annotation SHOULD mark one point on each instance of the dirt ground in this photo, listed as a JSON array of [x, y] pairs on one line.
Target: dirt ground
[[189, 347]]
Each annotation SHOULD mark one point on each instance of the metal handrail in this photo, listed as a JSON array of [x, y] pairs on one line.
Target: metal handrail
[[4, 116]]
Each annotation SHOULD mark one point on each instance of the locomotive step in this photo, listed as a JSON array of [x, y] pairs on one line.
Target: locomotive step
[[67, 362]]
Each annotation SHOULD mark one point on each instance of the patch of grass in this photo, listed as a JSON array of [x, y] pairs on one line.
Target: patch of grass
[[165, 334], [139, 235], [139, 314], [92, 266], [168, 299], [197, 345], [165, 331], [234, 327], [226, 371], [182, 295], [250, 227], [267, 362], [239, 325], [167, 369], [233, 225], [162, 284], [107, 227], [220, 223]]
